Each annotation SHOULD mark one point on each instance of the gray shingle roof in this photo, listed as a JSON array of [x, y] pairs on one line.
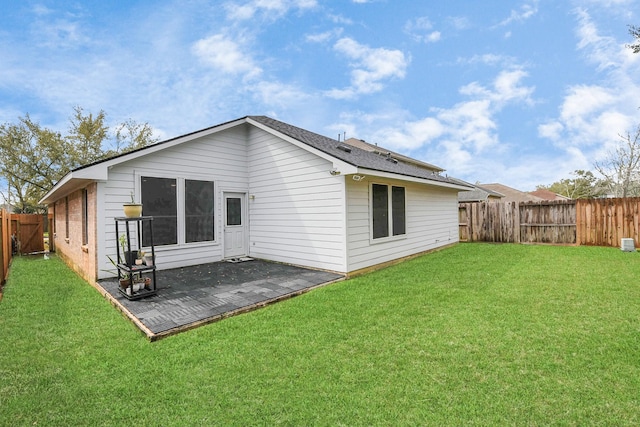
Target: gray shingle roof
[[354, 155]]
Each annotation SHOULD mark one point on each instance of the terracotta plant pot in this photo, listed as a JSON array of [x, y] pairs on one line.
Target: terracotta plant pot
[[132, 210], [124, 283]]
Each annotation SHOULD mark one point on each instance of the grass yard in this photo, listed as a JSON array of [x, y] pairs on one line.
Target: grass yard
[[476, 334]]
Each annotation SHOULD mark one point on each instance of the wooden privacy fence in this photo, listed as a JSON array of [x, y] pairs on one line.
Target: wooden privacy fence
[[604, 222], [29, 231], [598, 222], [5, 245], [513, 222]]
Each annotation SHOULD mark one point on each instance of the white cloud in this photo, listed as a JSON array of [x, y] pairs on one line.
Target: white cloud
[[411, 134], [339, 19], [420, 30], [41, 10], [551, 130], [270, 8], [599, 49], [491, 59], [525, 12], [371, 66], [459, 22], [323, 37], [592, 115], [56, 29], [280, 95], [462, 131], [225, 55]]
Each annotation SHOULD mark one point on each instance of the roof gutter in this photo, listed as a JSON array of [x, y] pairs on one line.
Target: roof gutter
[[432, 182]]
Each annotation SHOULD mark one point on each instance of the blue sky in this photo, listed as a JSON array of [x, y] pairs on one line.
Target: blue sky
[[517, 92]]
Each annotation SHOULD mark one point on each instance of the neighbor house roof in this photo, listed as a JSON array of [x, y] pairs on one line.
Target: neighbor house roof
[[548, 195], [511, 194], [346, 159], [479, 194], [384, 151]]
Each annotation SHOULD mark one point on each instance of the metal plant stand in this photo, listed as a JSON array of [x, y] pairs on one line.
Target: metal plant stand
[[141, 277]]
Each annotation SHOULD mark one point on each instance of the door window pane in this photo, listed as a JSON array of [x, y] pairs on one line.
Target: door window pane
[[159, 200], [234, 211], [198, 211]]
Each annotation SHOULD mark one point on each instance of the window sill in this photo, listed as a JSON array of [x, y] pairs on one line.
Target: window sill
[[379, 240], [85, 249], [66, 239]]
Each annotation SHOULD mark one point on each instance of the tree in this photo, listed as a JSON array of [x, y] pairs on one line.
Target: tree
[[131, 136], [86, 136], [635, 32], [621, 167], [33, 158], [585, 185]]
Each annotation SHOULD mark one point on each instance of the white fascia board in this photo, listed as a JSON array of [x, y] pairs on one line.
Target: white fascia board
[[340, 165], [63, 189], [45, 199], [389, 175], [74, 180]]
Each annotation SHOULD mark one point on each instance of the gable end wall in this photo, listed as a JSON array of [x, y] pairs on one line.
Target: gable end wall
[[219, 157], [296, 207]]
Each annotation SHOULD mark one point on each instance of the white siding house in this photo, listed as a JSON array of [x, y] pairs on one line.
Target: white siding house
[[261, 188]]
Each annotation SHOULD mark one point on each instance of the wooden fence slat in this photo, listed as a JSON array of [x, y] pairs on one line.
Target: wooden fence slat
[[597, 222], [5, 245]]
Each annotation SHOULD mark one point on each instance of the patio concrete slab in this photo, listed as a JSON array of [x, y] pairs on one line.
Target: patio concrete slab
[[191, 296]]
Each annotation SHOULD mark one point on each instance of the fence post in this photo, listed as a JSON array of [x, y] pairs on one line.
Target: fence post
[[5, 245], [516, 222], [2, 248]]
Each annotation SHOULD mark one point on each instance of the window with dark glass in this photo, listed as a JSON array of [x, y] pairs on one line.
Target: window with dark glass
[[234, 211], [159, 200], [85, 217], [198, 211], [66, 217], [388, 211], [380, 204], [397, 213]]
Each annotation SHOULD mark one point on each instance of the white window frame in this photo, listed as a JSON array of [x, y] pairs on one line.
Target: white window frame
[[180, 194], [390, 236]]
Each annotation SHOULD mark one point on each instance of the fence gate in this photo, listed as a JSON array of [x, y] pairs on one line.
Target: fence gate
[[29, 229]]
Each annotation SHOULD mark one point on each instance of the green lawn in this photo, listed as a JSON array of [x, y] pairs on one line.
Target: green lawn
[[476, 334]]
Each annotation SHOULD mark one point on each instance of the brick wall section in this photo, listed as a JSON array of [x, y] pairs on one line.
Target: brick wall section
[[82, 258]]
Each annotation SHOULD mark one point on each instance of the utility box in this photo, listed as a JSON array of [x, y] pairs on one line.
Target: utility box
[[627, 245]]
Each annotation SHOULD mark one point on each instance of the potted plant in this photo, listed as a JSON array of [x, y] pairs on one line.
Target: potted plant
[[133, 209], [146, 258], [125, 279], [129, 256]]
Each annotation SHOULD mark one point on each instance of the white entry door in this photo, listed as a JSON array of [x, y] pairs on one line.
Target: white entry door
[[235, 239]]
